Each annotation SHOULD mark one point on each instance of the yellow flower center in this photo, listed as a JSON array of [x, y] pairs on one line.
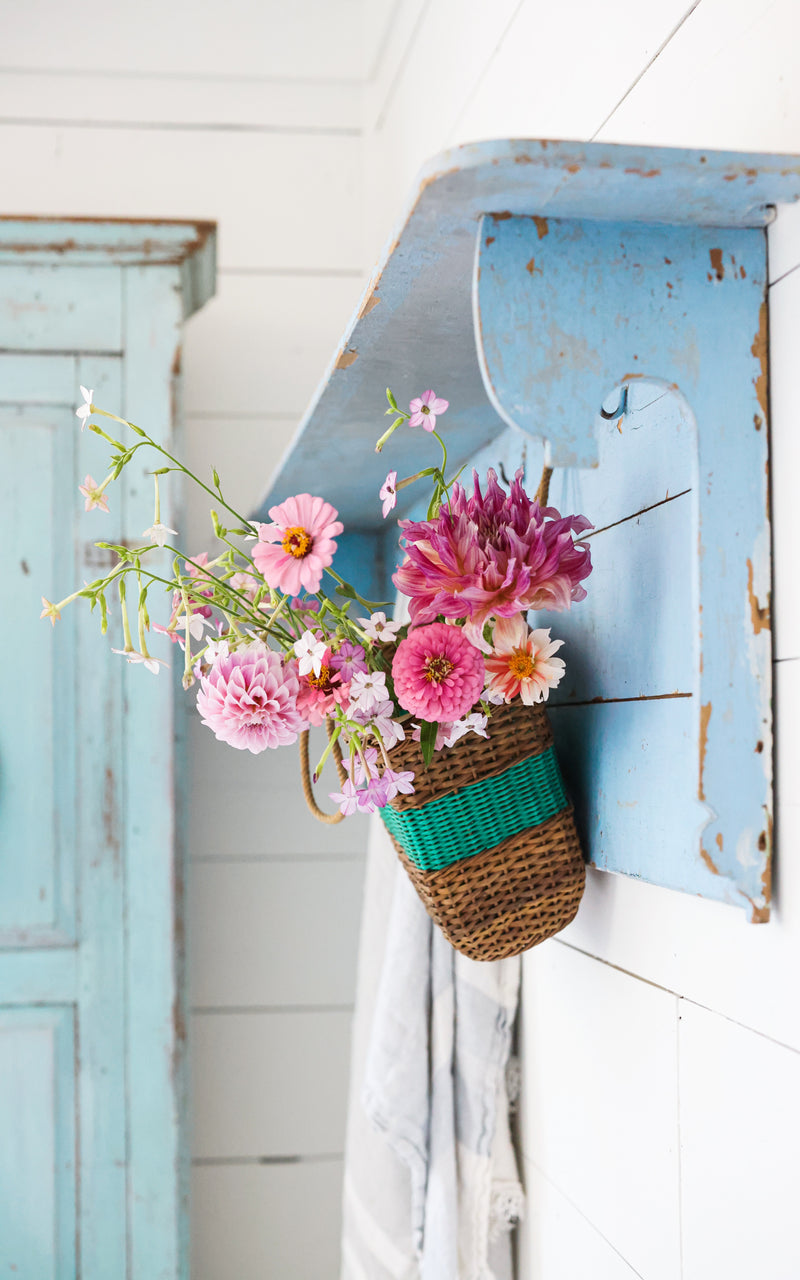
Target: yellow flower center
[[297, 542], [437, 669], [521, 664], [320, 681]]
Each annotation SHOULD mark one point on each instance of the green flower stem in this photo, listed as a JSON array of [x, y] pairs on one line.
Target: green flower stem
[[214, 493], [324, 757], [126, 630]]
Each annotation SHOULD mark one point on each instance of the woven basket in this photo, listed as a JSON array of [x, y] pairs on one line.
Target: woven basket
[[488, 836]]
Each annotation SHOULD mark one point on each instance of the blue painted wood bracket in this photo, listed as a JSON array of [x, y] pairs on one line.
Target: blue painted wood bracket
[[607, 305]]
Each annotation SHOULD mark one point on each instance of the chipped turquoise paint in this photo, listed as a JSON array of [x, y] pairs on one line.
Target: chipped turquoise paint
[[480, 815], [93, 1156]]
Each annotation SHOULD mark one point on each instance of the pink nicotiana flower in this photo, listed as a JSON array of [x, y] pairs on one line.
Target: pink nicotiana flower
[[380, 716], [94, 495], [491, 555], [388, 493], [249, 699], [437, 673], [293, 551], [442, 734], [522, 662], [398, 783], [377, 628], [196, 568], [425, 409], [347, 798]]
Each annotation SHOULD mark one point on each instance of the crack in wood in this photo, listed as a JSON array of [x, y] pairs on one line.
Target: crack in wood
[[652, 507]]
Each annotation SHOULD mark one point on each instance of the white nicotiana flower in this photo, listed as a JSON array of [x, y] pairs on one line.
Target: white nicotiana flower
[[473, 723], [367, 688], [377, 628], [310, 652], [197, 624], [132, 655], [158, 533], [216, 649], [84, 412]]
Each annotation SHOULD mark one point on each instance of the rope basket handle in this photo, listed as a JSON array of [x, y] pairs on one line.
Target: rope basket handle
[[305, 773], [305, 777]]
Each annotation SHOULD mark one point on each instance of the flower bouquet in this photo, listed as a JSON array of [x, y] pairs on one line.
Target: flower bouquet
[[436, 723]]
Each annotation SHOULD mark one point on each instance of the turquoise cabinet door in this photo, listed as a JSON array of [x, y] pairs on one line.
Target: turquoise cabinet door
[[93, 1157], [62, 918]]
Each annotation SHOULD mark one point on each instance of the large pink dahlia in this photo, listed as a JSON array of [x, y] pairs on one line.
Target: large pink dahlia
[[293, 551], [249, 699], [437, 673], [492, 555]]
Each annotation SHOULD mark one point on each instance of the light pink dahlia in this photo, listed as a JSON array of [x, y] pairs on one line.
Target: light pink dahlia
[[522, 661], [437, 673], [249, 699], [492, 555], [293, 551]]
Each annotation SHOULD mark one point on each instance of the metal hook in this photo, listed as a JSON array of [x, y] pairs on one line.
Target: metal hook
[[621, 409]]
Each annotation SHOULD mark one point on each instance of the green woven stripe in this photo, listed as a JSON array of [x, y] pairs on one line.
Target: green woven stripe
[[480, 815]]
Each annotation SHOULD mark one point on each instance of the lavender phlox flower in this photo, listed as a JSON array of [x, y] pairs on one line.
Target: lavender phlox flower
[[348, 659]]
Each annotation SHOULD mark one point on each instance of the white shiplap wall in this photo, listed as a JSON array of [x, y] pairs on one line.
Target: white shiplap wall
[[660, 1035], [250, 114]]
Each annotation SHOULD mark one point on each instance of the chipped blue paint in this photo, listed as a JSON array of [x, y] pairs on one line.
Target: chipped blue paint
[[579, 270], [412, 327]]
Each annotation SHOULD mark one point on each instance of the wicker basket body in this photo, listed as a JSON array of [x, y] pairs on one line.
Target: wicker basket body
[[488, 837]]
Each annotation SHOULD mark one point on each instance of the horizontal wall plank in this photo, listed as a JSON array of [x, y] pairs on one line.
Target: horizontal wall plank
[[252, 1222], [527, 92], [281, 105], [269, 1084], [274, 933], [740, 1181], [264, 813], [599, 1101], [241, 38], [264, 344], [558, 1243], [245, 452], [264, 190], [726, 80], [705, 950]]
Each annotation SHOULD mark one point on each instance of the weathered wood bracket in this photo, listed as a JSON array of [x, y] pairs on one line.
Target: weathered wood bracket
[[618, 298]]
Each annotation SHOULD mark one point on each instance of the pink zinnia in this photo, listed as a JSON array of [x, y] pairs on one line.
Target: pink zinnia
[[522, 661], [437, 673], [492, 555], [318, 694], [303, 528], [249, 699], [425, 408]]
